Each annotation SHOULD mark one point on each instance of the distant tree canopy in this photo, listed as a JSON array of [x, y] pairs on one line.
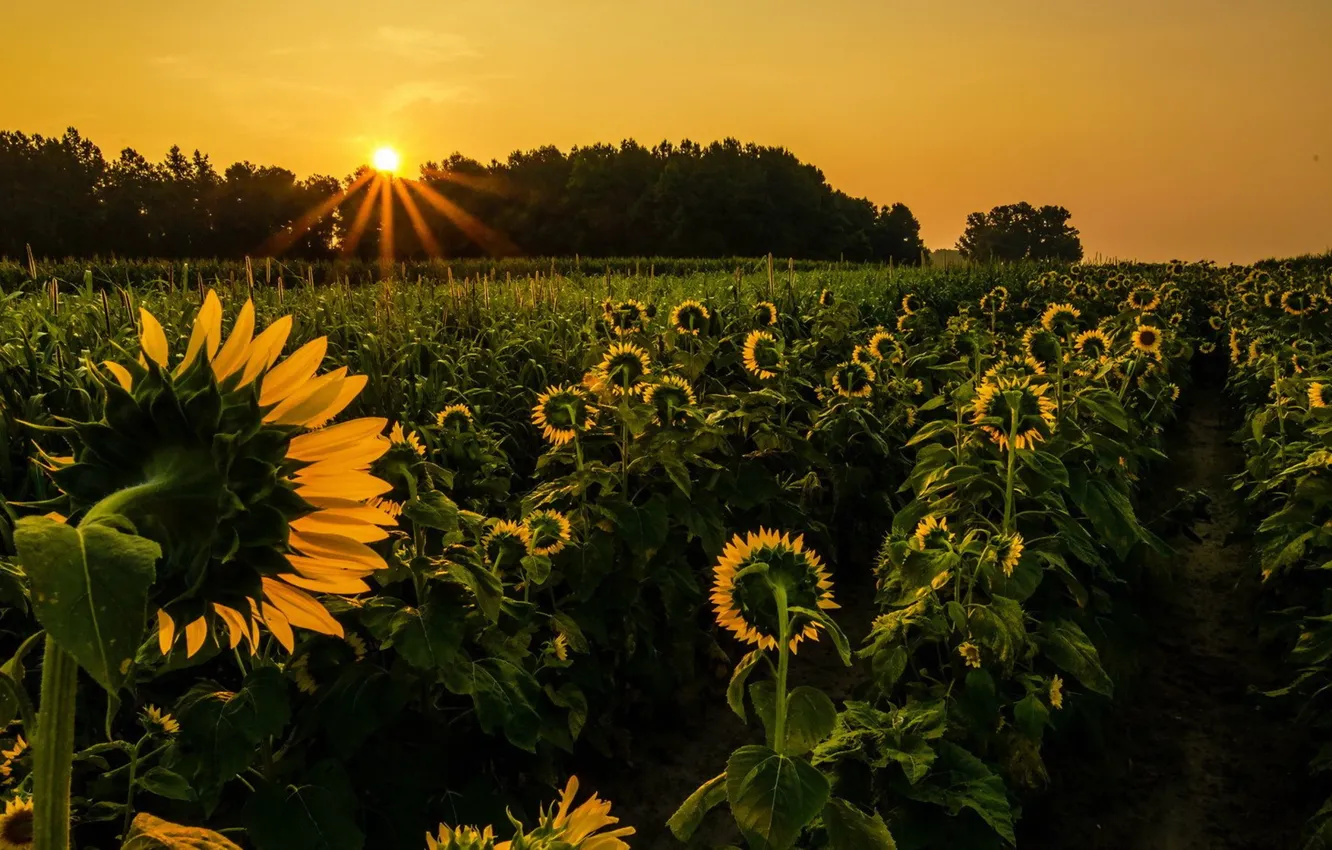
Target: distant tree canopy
[[725, 199], [1015, 232]]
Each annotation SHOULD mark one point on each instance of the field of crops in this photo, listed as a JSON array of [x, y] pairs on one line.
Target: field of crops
[[591, 556]]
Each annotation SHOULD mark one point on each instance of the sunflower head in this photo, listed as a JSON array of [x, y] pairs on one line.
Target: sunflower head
[[853, 380], [1041, 345], [882, 345], [1295, 302], [548, 532], [222, 460], [576, 826], [1094, 344], [155, 721], [1083, 290], [765, 314], [455, 417], [932, 534], [16, 824], [461, 838], [671, 398], [406, 443], [562, 413], [746, 576], [826, 298], [862, 354], [1008, 551], [762, 354], [1207, 347], [1060, 318], [1250, 299], [1014, 409], [506, 542], [1147, 339], [911, 303], [1214, 322], [1018, 366], [994, 301], [627, 317], [1144, 298], [690, 317], [1320, 394], [624, 367]]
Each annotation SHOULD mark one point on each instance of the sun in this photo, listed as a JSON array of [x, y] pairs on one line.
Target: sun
[[386, 159]]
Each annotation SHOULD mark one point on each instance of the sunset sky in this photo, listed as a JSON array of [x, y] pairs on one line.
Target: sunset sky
[[1170, 128]]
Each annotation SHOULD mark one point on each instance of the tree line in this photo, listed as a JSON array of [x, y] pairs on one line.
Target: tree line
[[63, 198]]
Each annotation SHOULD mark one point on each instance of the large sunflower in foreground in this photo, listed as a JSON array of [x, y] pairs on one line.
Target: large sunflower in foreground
[[998, 400], [744, 601], [222, 459], [624, 367]]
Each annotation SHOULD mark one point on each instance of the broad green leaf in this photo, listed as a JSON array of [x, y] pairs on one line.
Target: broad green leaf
[[735, 691], [166, 783], [810, 717], [89, 591], [851, 829], [318, 815], [686, 820], [1064, 642], [151, 833], [1030, 716], [773, 797], [432, 510]]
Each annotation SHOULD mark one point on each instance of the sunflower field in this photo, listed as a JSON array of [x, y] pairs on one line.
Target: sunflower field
[[394, 565]]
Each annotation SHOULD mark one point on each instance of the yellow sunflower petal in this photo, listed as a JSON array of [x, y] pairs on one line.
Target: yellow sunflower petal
[[320, 444], [166, 631], [353, 509], [350, 484], [232, 355], [264, 351], [324, 581], [207, 333], [301, 609], [351, 388], [153, 339], [336, 549], [310, 399], [290, 374], [279, 626], [236, 628], [195, 633], [121, 374], [332, 522]]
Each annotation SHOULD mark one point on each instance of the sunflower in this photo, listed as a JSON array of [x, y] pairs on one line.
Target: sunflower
[[1016, 366], [548, 532], [1058, 318], [561, 413], [1249, 299], [970, 654], [995, 300], [408, 440], [1214, 322], [463, 838], [1147, 339], [1173, 389], [16, 824], [998, 400], [765, 313], [1094, 343], [1056, 692], [1144, 299], [1207, 347], [762, 354], [689, 317], [579, 828], [624, 366], [560, 646], [505, 542], [882, 345], [627, 317], [931, 530], [1041, 345], [671, 398], [457, 416], [826, 298], [862, 354], [1301, 361], [745, 604], [12, 755], [1009, 551], [1295, 302], [853, 380], [224, 462], [910, 303], [1269, 299], [1320, 394], [158, 722], [1083, 290]]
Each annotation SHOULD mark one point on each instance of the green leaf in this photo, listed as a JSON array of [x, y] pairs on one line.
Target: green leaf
[[1030, 716], [686, 820], [166, 783], [830, 628], [851, 829], [735, 691], [150, 833], [318, 815], [1046, 465], [764, 696], [89, 591], [810, 717], [962, 781], [772, 796], [429, 638], [13, 668], [485, 586], [432, 509], [220, 729], [1064, 642]]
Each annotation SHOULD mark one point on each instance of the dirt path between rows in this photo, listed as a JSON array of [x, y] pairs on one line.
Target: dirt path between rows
[[1192, 759]]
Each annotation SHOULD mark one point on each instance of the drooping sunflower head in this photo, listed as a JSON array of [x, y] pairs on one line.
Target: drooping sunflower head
[[1008, 551], [221, 458], [1320, 394], [1295, 302], [826, 298], [625, 366], [1214, 322], [671, 399], [862, 354], [1060, 318], [562, 413], [406, 443], [627, 317], [1173, 390], [911, 303], [1094, 344], [1014, 409], [16, 824], [762, 354], [548, 532], [1144, 298], [932, 533], [1147, 339], [505, 542], [455, 417], [883, 345], [1041, 345], [765, 314], [1301, 361], [995, 301], [744, 578], [853, 380], [690, 317]]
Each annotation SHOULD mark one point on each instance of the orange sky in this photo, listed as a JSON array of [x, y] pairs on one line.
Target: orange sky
[[1170, 128]]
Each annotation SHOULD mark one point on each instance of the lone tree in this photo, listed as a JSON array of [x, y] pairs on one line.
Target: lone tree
[[1021, 232]]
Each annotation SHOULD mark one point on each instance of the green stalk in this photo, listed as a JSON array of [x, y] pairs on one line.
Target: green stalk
[[53, 751], [129, 795], [783, 665], [1012, 471]]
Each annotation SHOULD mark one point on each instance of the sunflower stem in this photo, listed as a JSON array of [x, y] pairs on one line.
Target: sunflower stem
[[129, 795], [1012, 471], [53, 749], [783, 665]]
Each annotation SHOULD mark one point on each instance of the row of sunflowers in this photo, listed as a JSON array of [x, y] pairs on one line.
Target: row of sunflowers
[[317, 600], [1277, 327]]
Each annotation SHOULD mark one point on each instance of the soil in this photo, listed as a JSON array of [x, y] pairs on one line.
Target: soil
[[1193, 758]]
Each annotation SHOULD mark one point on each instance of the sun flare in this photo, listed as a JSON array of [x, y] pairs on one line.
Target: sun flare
[[386, 159]]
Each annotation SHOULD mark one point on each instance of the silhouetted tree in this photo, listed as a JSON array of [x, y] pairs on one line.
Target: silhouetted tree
[[1019, 232]]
